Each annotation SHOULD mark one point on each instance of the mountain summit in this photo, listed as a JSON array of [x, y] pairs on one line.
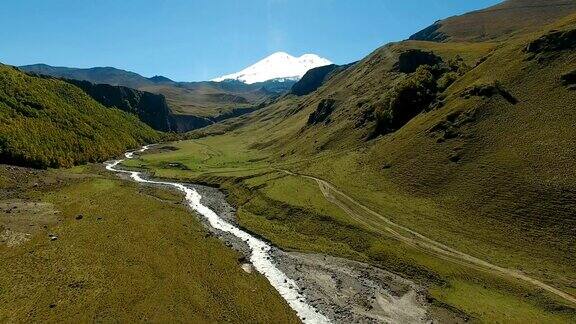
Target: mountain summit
[[279, 65]]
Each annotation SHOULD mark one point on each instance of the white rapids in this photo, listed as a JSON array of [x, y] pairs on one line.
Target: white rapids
[[260, 257]]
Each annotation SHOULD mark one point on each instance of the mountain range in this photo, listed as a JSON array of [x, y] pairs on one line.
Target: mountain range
[[198, 104]]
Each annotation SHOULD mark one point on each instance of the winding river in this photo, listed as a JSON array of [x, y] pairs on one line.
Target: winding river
[[261, 257]]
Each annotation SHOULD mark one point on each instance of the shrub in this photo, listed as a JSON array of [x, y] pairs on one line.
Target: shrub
[[407, 99], [421, 90], [446, 80], [410, 60]]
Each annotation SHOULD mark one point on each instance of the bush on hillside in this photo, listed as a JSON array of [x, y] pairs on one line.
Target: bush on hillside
[[406, 100], [419, 91], [446, 80], [410, 60]]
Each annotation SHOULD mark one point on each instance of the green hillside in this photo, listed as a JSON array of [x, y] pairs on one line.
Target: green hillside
[[450, 163], [50, 123], [509, 18]]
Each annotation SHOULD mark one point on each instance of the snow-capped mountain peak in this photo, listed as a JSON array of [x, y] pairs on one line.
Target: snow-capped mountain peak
[[279, 65]]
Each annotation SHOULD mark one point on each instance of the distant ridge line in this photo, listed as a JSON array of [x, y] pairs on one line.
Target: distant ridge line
[[519, 7]]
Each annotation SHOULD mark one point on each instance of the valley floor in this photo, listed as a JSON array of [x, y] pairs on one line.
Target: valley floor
[[84, 245], [75, 251], [81, 245], [307, 214]]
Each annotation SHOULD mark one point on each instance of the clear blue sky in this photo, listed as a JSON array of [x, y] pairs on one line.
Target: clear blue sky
[[190, 40]]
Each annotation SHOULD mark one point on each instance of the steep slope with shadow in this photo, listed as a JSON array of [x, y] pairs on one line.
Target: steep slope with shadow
[[150, 108], [315, 78]]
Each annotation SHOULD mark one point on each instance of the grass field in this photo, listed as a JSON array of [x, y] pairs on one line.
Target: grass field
[[136, 254], [291, 212]]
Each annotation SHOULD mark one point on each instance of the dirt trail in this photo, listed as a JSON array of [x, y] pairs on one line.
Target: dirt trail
[[383, 225]]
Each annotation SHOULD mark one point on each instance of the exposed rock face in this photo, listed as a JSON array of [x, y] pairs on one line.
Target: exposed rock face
[[312, 80], [150, 108], [322, 112], [488, 91], [569, 80], [185, 123], [410, 60], [553, 42]]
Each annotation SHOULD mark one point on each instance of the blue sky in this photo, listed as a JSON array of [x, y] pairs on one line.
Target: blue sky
[[197, 40]]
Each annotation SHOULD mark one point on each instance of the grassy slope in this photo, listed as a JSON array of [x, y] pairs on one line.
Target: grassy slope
[[136, 255], [503, 20], [508, 200], [47, 122]]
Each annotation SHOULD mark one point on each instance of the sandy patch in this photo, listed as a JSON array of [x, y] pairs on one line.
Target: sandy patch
[[12, 238]]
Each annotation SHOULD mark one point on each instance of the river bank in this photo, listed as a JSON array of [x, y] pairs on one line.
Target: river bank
[[319, 288]]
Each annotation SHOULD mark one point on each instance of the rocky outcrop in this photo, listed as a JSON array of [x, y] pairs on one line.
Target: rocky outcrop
[[312, 80], [553, 42], [185, 123], [569, 80], [150, 108], [322, 112], [488, 91], [411, 59]]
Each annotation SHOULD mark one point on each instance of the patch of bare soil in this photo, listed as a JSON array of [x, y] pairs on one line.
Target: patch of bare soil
[[20, 219], [348, 291], [22, 214]]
